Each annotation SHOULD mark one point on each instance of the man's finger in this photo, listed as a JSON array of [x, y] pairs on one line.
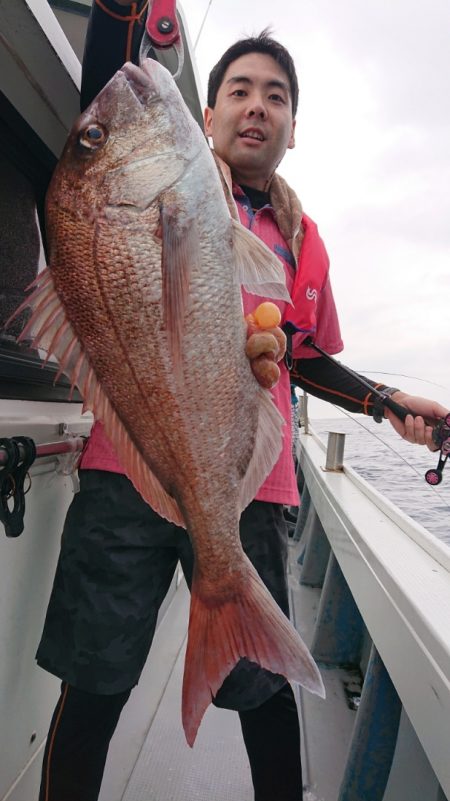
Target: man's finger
[[262, 342], [280, 336], [265, 370]]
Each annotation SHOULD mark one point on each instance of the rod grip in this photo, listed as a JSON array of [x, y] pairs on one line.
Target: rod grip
[[398, 410]]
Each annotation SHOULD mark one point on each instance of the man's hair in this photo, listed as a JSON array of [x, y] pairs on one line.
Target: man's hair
[[263, 43]]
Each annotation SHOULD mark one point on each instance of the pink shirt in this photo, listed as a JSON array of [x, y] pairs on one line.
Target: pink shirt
[[281, 485]]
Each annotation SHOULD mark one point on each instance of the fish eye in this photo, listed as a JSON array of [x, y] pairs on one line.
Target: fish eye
[[92, 137]]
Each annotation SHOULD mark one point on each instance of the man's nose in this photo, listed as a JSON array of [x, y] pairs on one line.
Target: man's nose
[[257, 108]]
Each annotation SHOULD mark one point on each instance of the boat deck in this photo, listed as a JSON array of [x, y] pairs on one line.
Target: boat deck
[[149, 757]]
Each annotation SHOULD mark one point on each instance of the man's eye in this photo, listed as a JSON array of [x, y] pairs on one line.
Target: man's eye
[[239, 92], [277, 98]]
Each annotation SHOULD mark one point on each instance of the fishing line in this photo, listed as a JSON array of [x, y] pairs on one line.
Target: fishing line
[[403, 375], [202, 25], [391, 448]]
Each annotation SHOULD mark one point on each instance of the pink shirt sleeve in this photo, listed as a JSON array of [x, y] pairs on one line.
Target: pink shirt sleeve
[[328, 335]]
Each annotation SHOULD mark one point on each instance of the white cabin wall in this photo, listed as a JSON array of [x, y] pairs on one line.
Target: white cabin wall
[[27, 564], [74, 27]]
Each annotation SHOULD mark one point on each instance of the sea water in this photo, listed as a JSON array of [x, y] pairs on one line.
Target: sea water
[[395, 468]]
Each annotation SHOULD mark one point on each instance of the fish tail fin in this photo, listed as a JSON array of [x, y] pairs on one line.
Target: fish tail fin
[[246, 623]]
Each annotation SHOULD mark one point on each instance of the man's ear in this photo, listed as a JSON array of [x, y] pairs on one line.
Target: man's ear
[[291, 143], [207, 119]]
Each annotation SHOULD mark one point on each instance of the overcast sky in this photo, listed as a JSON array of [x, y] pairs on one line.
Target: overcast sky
[[371, 164]]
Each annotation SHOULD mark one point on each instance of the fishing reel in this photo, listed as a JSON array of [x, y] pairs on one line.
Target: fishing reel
[[441, 436]]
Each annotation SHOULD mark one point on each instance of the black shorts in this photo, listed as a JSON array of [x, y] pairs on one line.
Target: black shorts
[[117, 561]]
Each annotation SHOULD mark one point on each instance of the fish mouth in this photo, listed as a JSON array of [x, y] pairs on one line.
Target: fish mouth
[[141, 82]]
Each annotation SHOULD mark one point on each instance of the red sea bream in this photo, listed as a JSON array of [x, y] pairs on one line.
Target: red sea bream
[[141, 305]]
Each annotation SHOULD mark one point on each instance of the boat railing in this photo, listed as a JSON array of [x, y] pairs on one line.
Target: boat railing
[[71, 445], [18, 455], [382, 585]]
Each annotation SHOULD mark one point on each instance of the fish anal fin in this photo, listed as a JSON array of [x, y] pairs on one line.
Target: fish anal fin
[[247, 624], [257, 268], [267, 449], [180, 250], [137, 470]]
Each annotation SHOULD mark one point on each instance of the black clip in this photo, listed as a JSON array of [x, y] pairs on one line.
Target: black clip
[[21, 453], [289, 330], [378, 409]]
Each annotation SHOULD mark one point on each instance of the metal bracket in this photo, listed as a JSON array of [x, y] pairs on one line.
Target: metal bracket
[[162, 24], [67, 463], [162, 31]]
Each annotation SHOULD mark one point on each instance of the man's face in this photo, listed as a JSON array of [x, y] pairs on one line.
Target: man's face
[[251, 124]]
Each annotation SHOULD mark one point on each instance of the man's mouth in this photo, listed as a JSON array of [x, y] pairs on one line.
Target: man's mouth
[[252, 133]]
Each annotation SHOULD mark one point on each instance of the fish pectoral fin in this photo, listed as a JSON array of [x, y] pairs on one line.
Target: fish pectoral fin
[[267, 449], [139, 183], [257, 268], [248, 623], [180, 250], [49, 329]]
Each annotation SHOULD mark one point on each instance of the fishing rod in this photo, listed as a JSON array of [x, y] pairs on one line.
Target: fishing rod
[[441, 430]]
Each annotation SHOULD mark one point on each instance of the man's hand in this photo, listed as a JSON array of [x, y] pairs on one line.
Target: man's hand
[[418, 429], [265, 347]]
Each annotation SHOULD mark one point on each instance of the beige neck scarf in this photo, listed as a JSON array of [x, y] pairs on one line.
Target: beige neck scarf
[[284, 201]]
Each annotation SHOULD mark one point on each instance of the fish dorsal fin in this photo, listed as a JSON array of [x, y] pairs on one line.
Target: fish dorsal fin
[[180, 250], [139, 183], [257, 268], [268, 447], [50, 330]]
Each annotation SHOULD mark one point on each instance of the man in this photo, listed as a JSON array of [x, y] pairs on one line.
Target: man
[[116, 551]]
